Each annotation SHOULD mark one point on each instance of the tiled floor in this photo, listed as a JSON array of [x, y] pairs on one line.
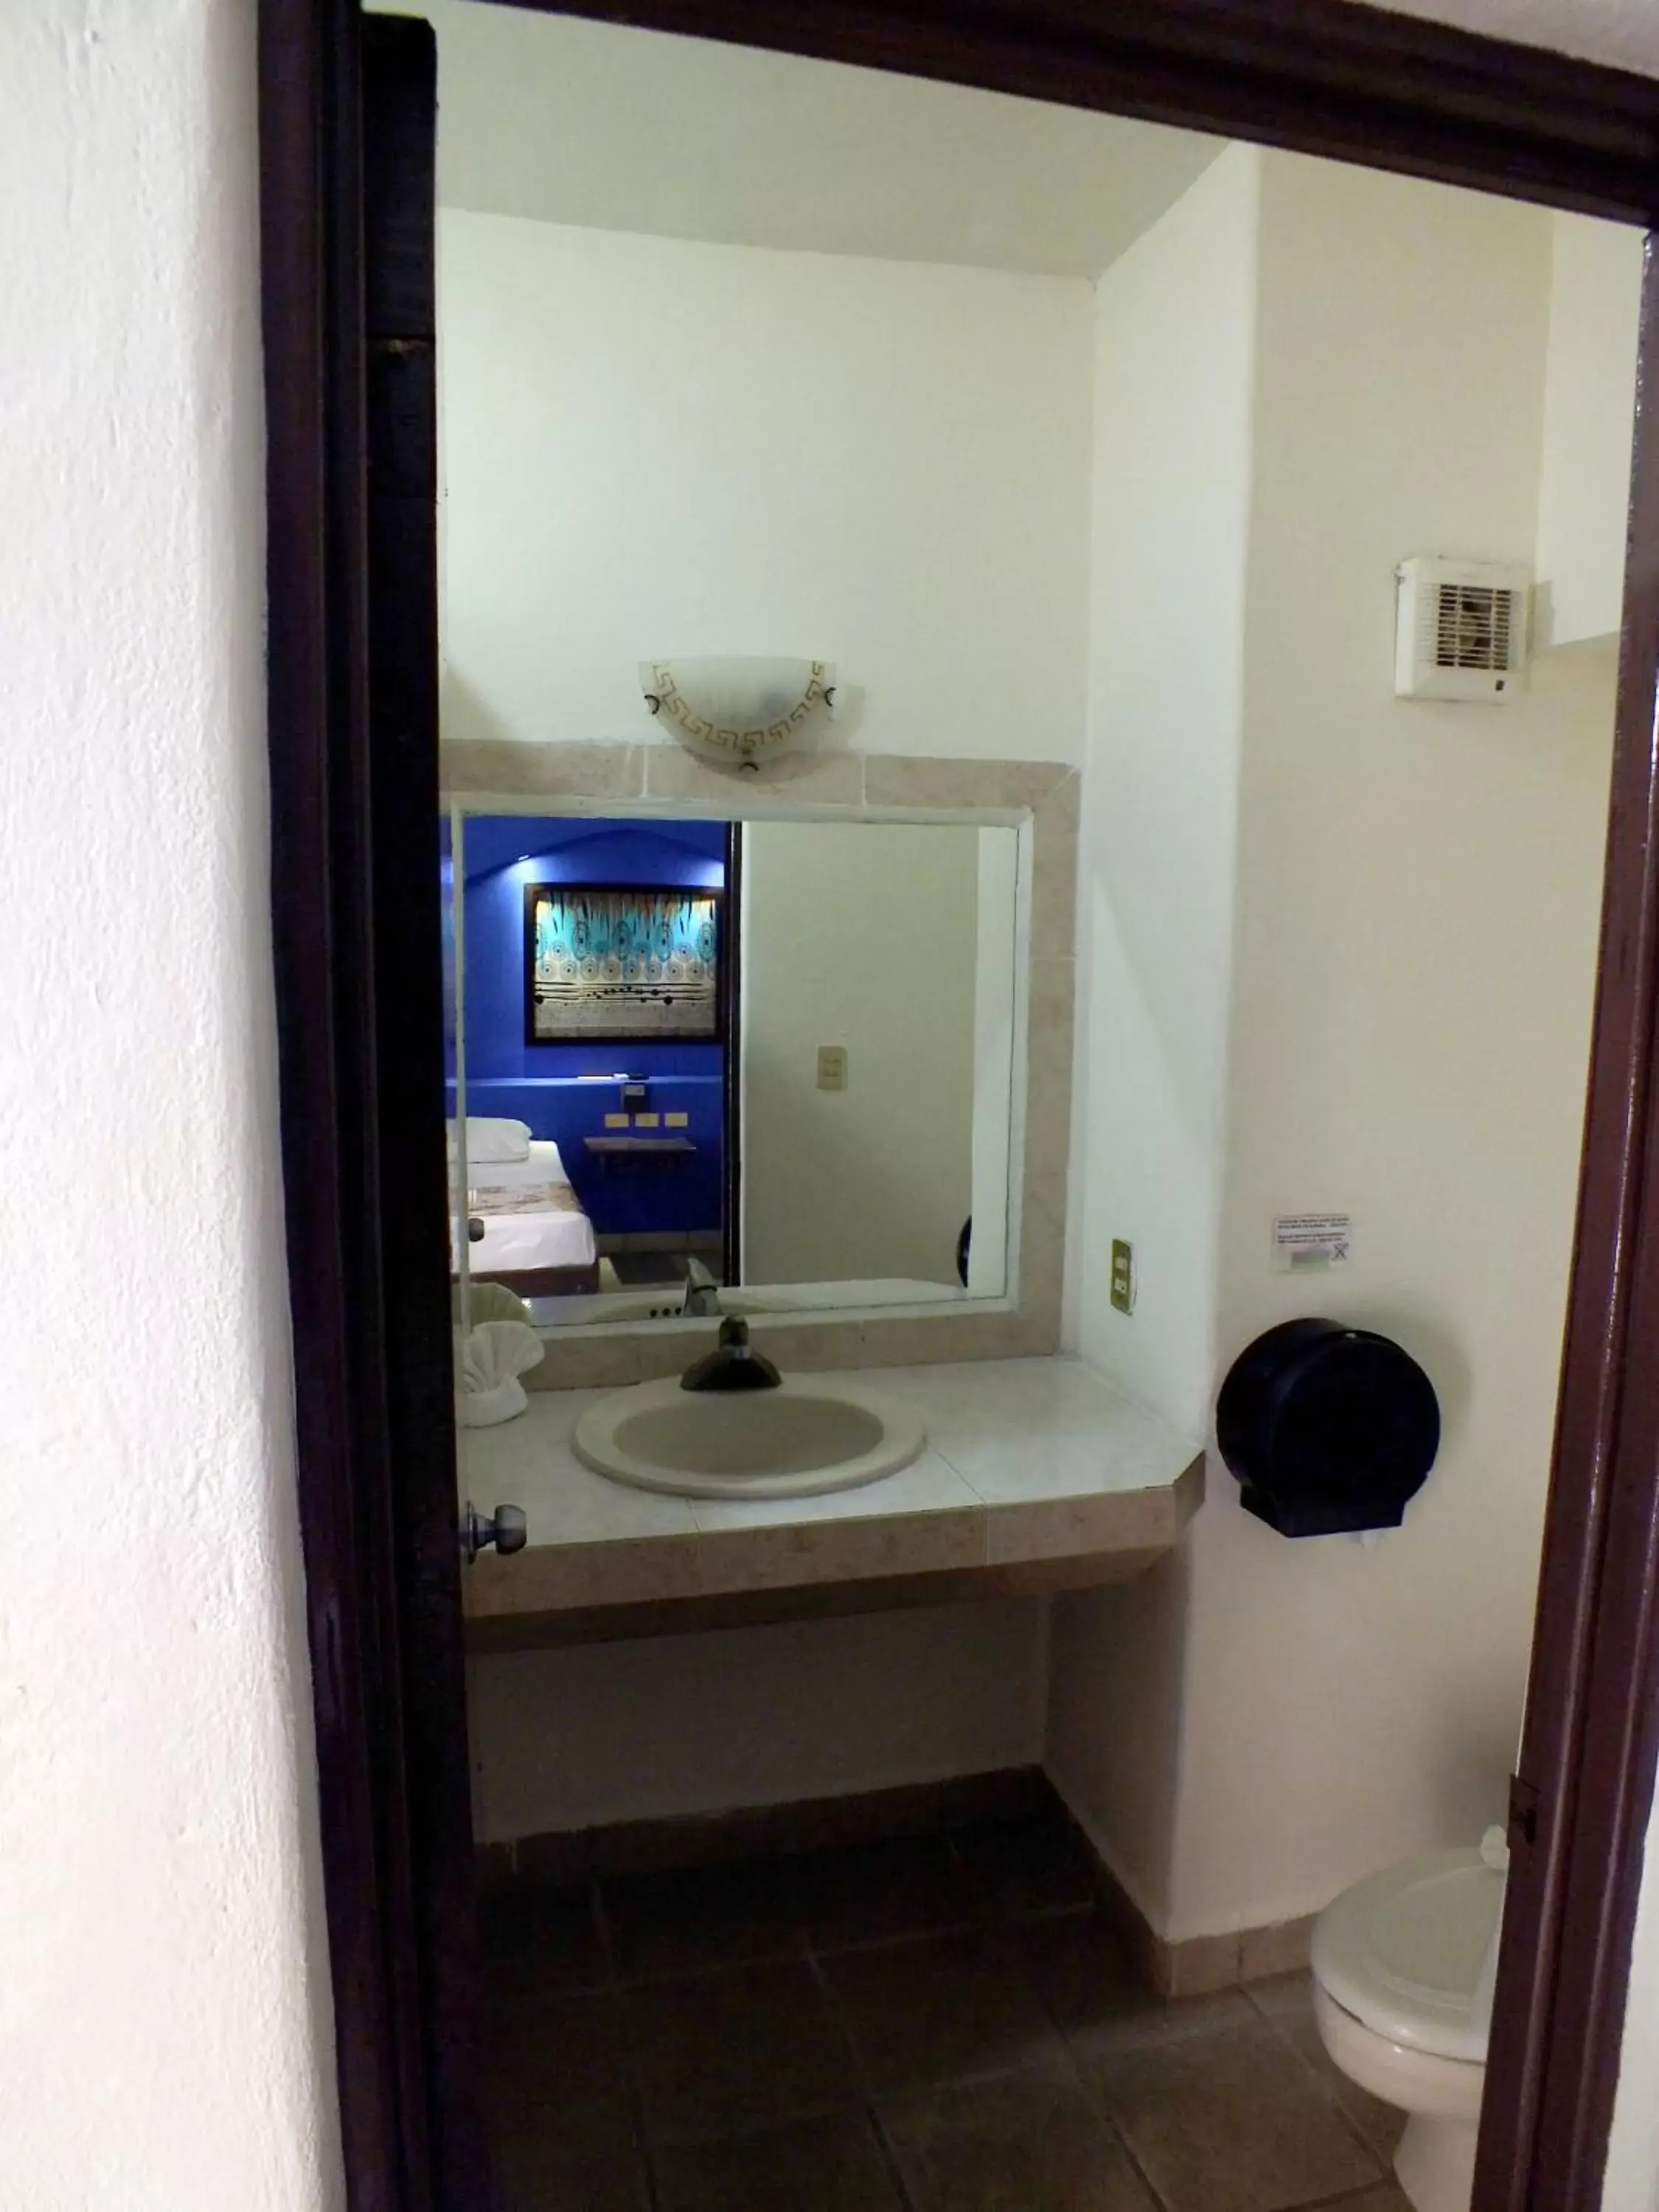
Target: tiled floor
[[938, 2025]]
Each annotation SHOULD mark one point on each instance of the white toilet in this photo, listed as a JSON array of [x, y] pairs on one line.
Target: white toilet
[[1403, 1967]]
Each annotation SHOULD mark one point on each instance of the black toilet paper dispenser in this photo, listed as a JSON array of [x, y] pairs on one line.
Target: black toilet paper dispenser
[[1327, 1428]]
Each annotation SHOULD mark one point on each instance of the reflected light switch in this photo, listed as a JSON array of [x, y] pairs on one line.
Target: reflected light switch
[[832, 1067]]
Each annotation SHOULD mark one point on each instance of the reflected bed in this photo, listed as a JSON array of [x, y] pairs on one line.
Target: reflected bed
[[537, 1240]]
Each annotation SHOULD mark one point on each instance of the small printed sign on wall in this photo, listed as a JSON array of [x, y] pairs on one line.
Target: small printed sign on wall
[[1312, 1243]]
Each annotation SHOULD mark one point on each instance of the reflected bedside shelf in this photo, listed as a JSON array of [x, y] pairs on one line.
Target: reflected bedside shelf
[[648, 1151]]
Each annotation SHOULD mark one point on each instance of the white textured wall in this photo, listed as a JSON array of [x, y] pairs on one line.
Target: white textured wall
[[1589, 407], [1419, 891], [164, 2011], [655, 446], [1174, 335], [1622, 33], [860, 934], [1175, 330], [1412, 943], [1625, 34]]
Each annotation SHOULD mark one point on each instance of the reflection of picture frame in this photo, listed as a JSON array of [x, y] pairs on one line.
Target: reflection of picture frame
[[624, 963]]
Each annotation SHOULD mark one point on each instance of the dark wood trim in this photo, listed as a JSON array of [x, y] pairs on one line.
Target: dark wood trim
[[1355, 83], [378, 1528], [438, 1970], [1321, 77], [309, 131]]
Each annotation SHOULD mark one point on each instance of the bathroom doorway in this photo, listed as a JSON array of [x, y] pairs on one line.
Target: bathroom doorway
[[1339, 94]]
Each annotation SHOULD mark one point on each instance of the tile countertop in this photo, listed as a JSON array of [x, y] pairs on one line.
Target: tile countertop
[[1035, 1474]]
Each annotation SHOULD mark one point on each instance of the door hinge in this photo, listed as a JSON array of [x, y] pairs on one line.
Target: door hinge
[[1525, 1811]]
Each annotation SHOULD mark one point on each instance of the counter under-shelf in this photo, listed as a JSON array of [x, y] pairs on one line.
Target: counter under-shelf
[[1037, 1475]]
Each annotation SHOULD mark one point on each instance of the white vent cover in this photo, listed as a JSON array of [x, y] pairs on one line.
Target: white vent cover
[[1461, 630]]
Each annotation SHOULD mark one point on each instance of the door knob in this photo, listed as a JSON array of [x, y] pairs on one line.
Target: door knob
[[507, 1528]]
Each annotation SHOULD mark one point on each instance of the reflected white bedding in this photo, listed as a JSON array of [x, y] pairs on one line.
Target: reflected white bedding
[[517, 1241], [520, 1233], [543, 1165]]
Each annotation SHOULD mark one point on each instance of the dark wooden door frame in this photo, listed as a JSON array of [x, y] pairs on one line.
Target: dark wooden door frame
[[359, 1116]]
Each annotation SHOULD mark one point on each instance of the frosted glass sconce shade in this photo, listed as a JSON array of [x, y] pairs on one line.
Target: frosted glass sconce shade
[[739, 709]]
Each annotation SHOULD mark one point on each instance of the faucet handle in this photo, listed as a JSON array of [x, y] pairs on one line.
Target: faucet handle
[[734, 1364]]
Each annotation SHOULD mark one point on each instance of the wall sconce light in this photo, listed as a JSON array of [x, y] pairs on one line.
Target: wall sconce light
[[739, 710]]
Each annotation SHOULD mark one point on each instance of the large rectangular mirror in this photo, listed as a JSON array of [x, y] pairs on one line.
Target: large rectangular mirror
[[713, 1066]]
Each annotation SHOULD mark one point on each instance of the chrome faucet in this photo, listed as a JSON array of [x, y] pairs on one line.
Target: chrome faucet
[[702, 1292]]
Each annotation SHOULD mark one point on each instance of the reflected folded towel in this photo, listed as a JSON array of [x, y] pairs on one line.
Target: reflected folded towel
[[492, 1142], [493, 1357], [488, 1302]]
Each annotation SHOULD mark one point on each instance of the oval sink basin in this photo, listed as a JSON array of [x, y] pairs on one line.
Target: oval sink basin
[[803, 1437]]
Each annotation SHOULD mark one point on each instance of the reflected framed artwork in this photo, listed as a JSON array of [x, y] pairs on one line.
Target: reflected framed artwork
[[622, 963]]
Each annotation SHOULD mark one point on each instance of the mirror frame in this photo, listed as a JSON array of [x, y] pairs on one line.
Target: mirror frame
[[1041, 800]]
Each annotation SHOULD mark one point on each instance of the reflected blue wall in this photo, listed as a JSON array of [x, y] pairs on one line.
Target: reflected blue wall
[[446, 925], [539, 1084]]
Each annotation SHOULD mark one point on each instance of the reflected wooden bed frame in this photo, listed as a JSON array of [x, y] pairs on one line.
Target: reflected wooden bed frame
[[545, 1282], [349, 333]]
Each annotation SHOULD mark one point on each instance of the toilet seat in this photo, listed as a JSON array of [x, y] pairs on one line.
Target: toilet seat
[[1402, 1952]]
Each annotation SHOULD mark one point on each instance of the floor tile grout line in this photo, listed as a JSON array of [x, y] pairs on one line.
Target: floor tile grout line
[[889, 2158], [1122, 2141], [837, 2012], [599, 1914], [708, 1970], [1348, 2197], [803, 1947], [873, 2092], [1340, 2112], [633, 2094]]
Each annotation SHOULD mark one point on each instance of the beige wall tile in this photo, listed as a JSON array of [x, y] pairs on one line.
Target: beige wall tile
[[824, 779], [895, 780], [1053, 880], [552, 1577], [1042, 1238], [925, 1342], [1073, 1528], [840, 1551], [579, 771], [1199, 1965], [1284, 1948], [606, 1359], [1049, 1082]]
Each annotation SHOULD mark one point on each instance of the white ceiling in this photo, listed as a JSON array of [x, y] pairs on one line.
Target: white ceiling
[[572, 122], [1622, 33]]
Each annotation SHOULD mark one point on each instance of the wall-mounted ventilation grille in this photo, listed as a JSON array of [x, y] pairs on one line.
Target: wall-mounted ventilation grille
[[1461, 629], [1473, 628]]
